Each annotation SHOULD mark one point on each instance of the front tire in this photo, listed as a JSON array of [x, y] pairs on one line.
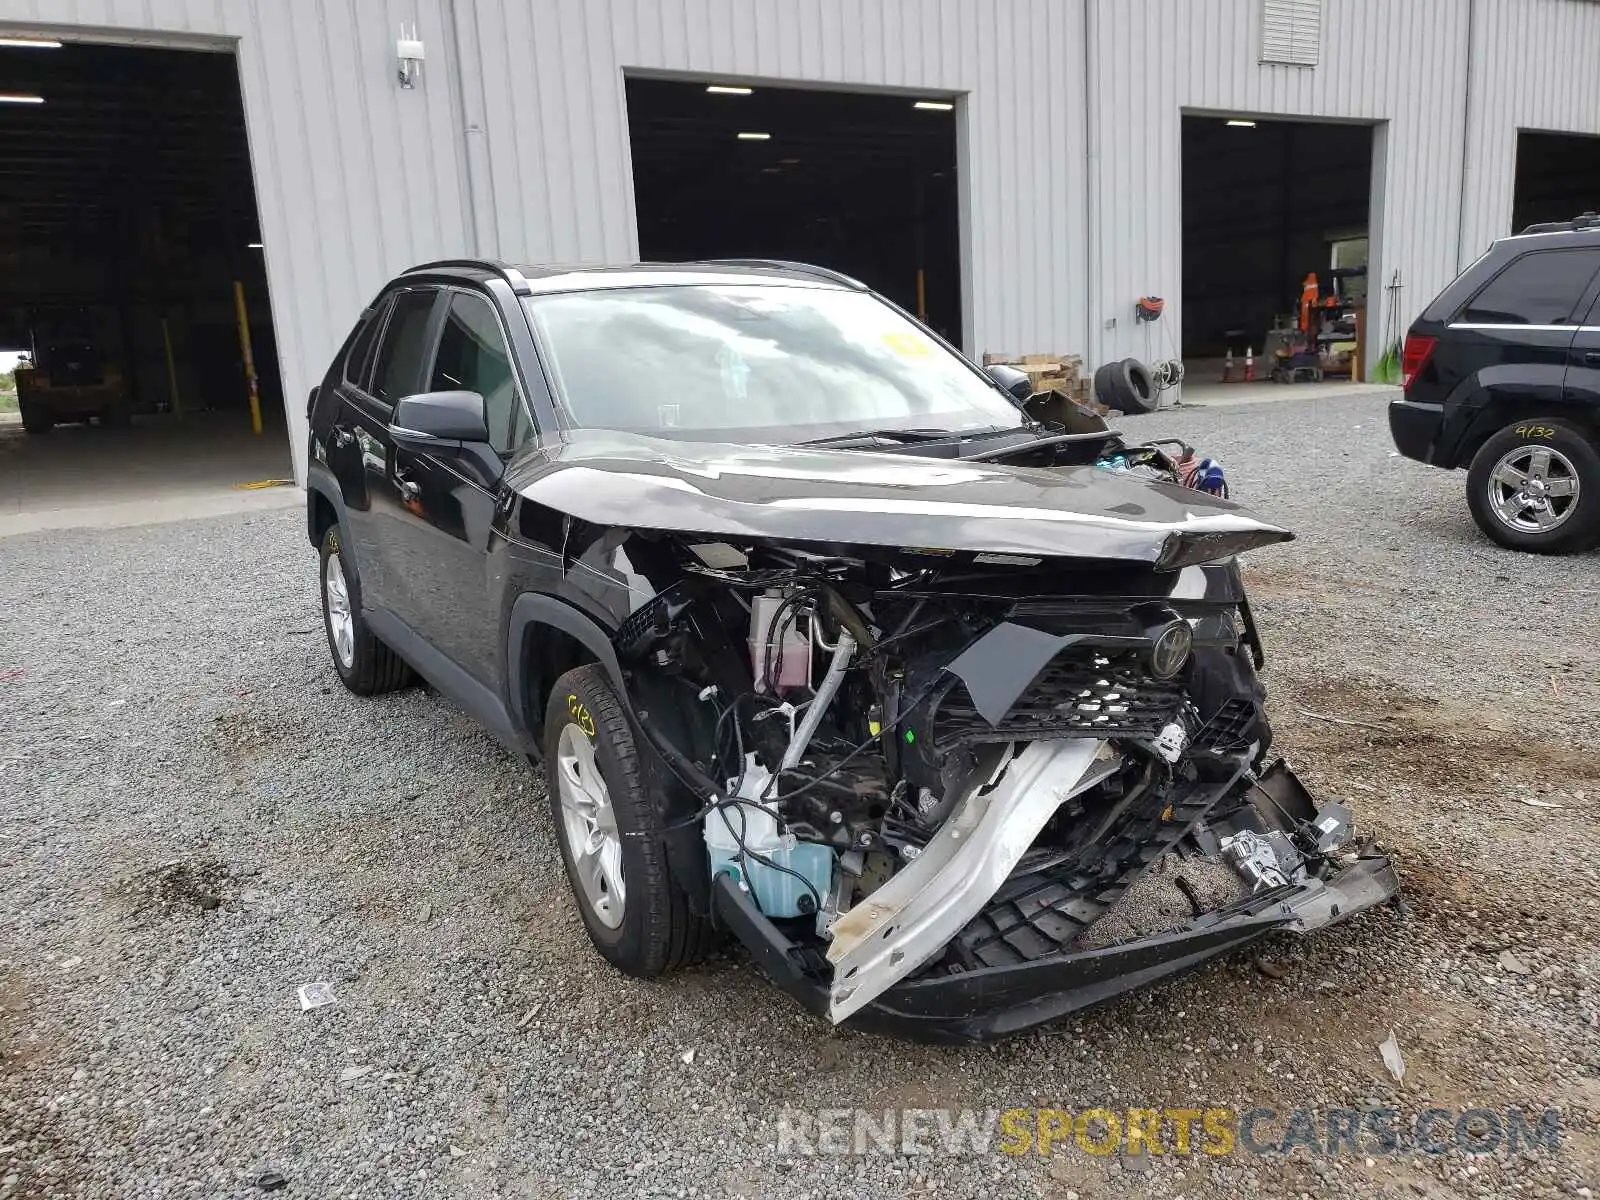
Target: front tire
[[609, 822], [1535, 486], [365, 665]]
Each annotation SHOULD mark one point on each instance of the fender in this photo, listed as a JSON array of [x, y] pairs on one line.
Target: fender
[[1485, 403], [323, 482], [533, 608]]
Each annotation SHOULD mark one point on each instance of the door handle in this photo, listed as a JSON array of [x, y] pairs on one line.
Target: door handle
[[1592, 357], [410, 489]]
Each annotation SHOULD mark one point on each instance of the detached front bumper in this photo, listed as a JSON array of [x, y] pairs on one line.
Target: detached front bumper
[[990, 1003]]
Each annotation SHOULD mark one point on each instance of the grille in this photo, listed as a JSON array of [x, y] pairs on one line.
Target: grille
[[1081, 693]]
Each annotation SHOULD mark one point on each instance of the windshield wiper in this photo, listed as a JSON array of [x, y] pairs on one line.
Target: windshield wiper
[[886, 435], [902, 436]]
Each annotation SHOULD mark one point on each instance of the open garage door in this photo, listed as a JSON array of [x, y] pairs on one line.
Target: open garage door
[[861, 183], [1272, 209], [130, 264], [1558, 177]]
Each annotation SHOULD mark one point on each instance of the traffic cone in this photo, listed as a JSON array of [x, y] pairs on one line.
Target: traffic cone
[[1249, 364], [1227, 367]]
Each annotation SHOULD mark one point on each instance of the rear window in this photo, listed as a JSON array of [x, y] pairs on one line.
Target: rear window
[[1541, 288], [359, 360]]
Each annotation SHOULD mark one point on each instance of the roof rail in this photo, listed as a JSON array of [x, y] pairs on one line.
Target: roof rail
[[787, 265], [1585, 220], [518, 281]]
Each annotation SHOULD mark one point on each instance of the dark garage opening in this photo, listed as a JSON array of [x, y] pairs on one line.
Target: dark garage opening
[[1558, 177], [1265, 203], [864, 184], [129, 216]]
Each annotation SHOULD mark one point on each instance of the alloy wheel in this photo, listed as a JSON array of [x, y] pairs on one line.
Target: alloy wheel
[[589, 824], [1533, 489]]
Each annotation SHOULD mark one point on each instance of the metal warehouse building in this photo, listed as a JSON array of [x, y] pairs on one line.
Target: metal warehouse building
[[1018, 172]]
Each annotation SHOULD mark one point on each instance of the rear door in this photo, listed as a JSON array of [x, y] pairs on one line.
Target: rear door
[[1509, 345], [1582, 389], [368, 452], [448, 495]]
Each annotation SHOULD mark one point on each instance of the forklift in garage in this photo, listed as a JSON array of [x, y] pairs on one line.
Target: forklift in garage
[[69, 376]]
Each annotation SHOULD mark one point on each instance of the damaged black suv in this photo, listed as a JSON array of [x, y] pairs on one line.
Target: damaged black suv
[[939, 696]]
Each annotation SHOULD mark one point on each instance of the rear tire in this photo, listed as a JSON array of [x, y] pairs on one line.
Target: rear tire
[[646, 927], [1535, 486], [365, 665]]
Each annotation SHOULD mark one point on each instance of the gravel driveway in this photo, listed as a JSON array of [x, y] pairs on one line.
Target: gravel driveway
[[196, 819]]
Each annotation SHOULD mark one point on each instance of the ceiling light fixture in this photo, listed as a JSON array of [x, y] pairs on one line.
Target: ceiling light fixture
[[755, 137], [1242, 124], [934, 105], [16, 98], [253, 246], [31, 43], [727, 89]]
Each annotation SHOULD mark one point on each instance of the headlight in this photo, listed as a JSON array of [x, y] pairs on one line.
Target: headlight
[[1169, 650]]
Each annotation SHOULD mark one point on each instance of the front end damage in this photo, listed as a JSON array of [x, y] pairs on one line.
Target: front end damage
[[958, 792]]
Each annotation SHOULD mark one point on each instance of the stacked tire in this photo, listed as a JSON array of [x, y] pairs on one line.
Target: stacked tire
[[1126, 386]]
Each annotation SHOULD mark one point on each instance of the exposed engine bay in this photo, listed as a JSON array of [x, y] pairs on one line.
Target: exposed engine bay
[[991, 786]]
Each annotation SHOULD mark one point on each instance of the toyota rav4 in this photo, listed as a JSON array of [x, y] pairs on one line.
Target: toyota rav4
[[824, 637]]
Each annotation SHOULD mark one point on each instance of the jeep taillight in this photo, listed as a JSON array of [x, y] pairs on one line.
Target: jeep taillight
[[1414, 357]]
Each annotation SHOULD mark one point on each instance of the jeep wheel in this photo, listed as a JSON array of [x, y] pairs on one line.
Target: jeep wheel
[[365, 664], [1535, 486], [609, 824]]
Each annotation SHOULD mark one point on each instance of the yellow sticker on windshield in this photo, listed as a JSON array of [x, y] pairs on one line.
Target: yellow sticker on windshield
[[904, 342]]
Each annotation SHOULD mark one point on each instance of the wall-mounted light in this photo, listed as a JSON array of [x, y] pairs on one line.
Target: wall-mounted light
[[934, 105], [1242, 124], [22, 43], [409, 50], [18, 98], [253, 246], [755, 137], [727, 89]]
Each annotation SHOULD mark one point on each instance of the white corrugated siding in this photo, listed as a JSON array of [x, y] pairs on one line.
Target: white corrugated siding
[[1402, 64], [1070, 177], [549, 84], [355, 178], [1536, 65]]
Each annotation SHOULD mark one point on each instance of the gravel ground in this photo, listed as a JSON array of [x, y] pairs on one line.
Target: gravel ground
[[195, 819]]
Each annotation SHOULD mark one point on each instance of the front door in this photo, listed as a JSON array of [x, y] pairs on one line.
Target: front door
[[449, 494]]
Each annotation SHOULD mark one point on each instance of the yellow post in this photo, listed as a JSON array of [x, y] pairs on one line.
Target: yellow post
[[172, 370], [922, 296], [249, 358]]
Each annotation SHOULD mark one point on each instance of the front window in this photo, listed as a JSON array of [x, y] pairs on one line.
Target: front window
[[784, 363]]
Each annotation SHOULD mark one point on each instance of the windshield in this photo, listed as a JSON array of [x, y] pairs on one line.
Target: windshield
[[754, 363]]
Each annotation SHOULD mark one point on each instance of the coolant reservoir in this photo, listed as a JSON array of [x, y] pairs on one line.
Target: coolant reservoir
[[789, 656], [776, 893]]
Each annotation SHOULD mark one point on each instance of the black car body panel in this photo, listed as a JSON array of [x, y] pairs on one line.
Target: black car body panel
[[847, 496], [1054, 664]]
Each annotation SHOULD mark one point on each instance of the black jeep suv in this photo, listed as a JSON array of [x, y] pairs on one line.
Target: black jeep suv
[[1502, 375], [824, 637]]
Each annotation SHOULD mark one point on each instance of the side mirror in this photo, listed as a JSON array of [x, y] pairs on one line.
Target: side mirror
[[1012, 381], [432, 419]]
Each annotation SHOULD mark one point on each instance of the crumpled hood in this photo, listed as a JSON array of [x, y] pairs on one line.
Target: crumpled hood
[[820, 494]]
